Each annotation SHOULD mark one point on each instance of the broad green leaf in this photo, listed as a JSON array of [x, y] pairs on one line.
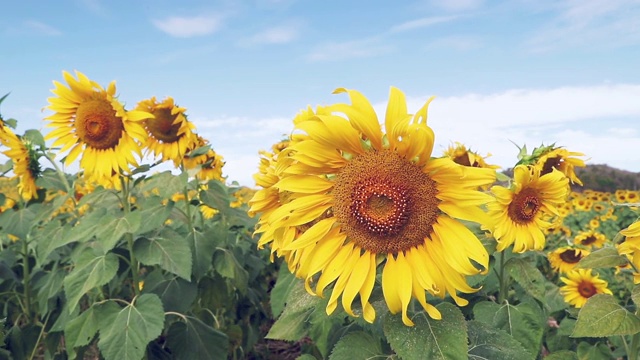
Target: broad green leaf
[[176, 294], [92, 269], [598, 351], [216, 196], [49, 285], [486, 342], [166, 183], [635, 295], [154, 215], [167, 249], [562, 355], [528, 276], [601, 316], [284, 284], [566, 326], [523, 322], [485, 312], [79, 331], [226, 264], [323, 329], [17, 222], [49, 238], [50, 180], [553, 299], [603, 258], [112, 228], [195, 340], [429, 338], [292, 323], [202, 248], [66, 314], [357, 345], [135, 325], [35, 137]]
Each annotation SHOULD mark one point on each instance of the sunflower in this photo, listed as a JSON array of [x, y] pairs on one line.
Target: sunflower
[[463, 156], [170, 133], [208, 212], [90, 121], [519, 214], [631, 247], [358, 200], [562, 160], [25, 163], [209, 165], [590, 238], [564, 259], [581, 284]]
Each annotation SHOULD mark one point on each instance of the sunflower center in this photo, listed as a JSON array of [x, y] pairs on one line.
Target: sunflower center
[[384, 203], [587, 289], [550, 164], [97, 124], [462, 159], [589, 240], [570, 256], [525, 206], [162, 126]]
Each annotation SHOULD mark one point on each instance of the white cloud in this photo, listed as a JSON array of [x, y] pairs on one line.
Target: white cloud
[[423, 22], [333, 51], [41, 28], [592, 23], [281, 34], [185, 27]]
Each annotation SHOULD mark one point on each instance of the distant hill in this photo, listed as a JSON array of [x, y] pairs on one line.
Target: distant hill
[[602, 178], [607, 178]]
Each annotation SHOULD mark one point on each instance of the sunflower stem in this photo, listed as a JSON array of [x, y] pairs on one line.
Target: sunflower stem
[[133, 262], [26, 279], [632, 352], [502, 278]]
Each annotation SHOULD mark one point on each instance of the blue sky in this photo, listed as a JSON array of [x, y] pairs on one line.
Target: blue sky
[[522, 71]]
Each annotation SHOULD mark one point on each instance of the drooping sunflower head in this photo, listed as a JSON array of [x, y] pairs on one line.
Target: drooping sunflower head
[[562, 160], [630, 247], [580, 285], [590, 238], [206, 163], [25, 162], [564, 259], [519, 214], [463, 156], [91, 121], [357, 196], [171, 135]]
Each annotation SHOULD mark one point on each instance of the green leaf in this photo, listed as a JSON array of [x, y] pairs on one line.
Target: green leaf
[[112, 228], [562, 355], [486, 342], [429, 338], [135, 325], [199, 151], [17, 222], [227, 265], [50, 180], [566, 326], [154, 215], [195, 340], [284, 284], [553, 299], [202, 248], [601, 316], [603, 258], [176, 294], [166, 182], [357, 345], [528, 276], [49, 285], [168, 249], [291, 325], [81, 330], [598, 351], [635, 295], [91, 270], [35, 137], [216, 196], [485, 312]]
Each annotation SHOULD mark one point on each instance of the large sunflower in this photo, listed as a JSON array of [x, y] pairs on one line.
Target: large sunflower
[[564, 259], [581, 284], [170, 133], [358, 200], [90, 121], [25, 164], [519, 213]]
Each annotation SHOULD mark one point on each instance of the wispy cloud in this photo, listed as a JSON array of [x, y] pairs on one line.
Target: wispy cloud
[[184, 27], [40, 28], [280, 34], [457, 5], [333, 51], [95, 6], [422, 22], [592, 23]]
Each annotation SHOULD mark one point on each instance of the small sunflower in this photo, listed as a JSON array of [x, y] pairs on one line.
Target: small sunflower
[[25, 163], [590, 238], [519, 214], [564, 259], [631, 247], [581, 284], [208, 212], [560, 159], [463, 156], [170, 133], [353, 200], [209, 164], [91, 122]]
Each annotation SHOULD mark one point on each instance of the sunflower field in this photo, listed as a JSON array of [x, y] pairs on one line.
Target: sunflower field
[[357, 241]]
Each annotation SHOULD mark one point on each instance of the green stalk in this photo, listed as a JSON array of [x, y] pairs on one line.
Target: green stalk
[[26, 278], [632, 353], [503, 280], [133, 262]]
